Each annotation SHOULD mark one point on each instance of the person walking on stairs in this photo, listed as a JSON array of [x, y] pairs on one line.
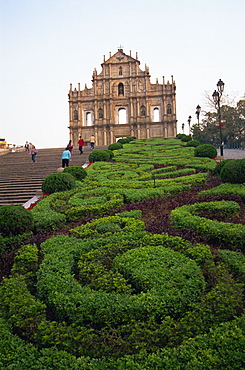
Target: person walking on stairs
[[92, 141], [66, 156], [70, 146], [80, 144], [27, 146], [33, 153]]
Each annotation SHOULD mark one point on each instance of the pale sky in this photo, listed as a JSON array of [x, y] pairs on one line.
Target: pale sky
[[47, 44]]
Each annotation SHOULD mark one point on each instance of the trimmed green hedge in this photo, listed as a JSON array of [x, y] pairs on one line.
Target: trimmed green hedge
[[227, 235], [92, 205], [219, 166], [205, 150], [56, 182], [233, 171], [193, 143], [76, 171], [19, 306], [235, 261], [226, 189], [175, 279], [107, 226], [115, 146], [10, 243], [44, 217], [15, 220], [99, 155], [26, 265], [58, 287], [221, 348], [185, 138], [126, 300], [200, 253]]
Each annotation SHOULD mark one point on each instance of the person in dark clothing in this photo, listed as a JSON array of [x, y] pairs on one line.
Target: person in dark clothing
[[92, 141]]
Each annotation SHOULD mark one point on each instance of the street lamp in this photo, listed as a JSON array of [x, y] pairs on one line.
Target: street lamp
[[198, 110], [189, 123], [217, 97]]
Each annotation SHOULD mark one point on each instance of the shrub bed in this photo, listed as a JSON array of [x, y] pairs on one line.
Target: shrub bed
[[15, 220], [19, 307], [128, 300], [26, 265], [107, 226], [226, 234], [56, 283], [92, 205], [235, 261], [99, 155], [183, 171], [10, 243], [205, 150], [226, 189], [56, 182], [233, 172], [193, 143], [44, 217], [115, 146], [76, 171]]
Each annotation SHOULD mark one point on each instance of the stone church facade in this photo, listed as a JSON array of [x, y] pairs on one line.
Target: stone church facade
[[122, 102]]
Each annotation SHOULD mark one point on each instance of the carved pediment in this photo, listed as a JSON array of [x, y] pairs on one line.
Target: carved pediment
[[120, 57]]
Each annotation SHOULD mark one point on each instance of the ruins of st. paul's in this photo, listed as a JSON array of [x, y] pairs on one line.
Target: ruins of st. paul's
[[122, 102]]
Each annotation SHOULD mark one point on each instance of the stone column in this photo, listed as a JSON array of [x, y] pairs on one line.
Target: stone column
[[139, 132], [112, 137], [147, 133]]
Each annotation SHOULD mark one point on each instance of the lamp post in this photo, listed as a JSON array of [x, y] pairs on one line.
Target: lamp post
[[183, 128], [198, 110], [217, 97], [189, 123]]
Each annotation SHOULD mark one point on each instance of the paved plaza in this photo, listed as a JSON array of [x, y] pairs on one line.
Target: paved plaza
[[233, 153]]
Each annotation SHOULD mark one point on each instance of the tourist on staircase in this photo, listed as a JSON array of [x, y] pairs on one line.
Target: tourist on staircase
[[66, 156], [80, 144], [92, 141], [33, 153]]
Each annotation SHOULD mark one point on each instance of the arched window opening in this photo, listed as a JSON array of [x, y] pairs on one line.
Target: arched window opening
[[169, 109], [75, 116], [156, 115], [120, 71], [142, 111], [100, 113], [89, 119], [122, 116], [120, 89]]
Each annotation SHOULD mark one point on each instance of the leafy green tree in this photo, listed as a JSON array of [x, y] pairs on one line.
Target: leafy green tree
[[233, 130]]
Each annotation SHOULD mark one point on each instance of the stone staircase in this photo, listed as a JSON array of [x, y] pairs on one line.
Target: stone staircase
[[21, 179]]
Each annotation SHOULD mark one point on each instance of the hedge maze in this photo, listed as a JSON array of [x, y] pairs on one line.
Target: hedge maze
[[110, 295]]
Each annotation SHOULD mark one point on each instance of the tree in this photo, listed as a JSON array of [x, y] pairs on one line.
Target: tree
[[233, 130]]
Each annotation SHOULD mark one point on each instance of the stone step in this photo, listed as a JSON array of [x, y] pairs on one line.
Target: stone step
[[18, 199], [30, 193], [19, 190], [18, 182], [21, 179]]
